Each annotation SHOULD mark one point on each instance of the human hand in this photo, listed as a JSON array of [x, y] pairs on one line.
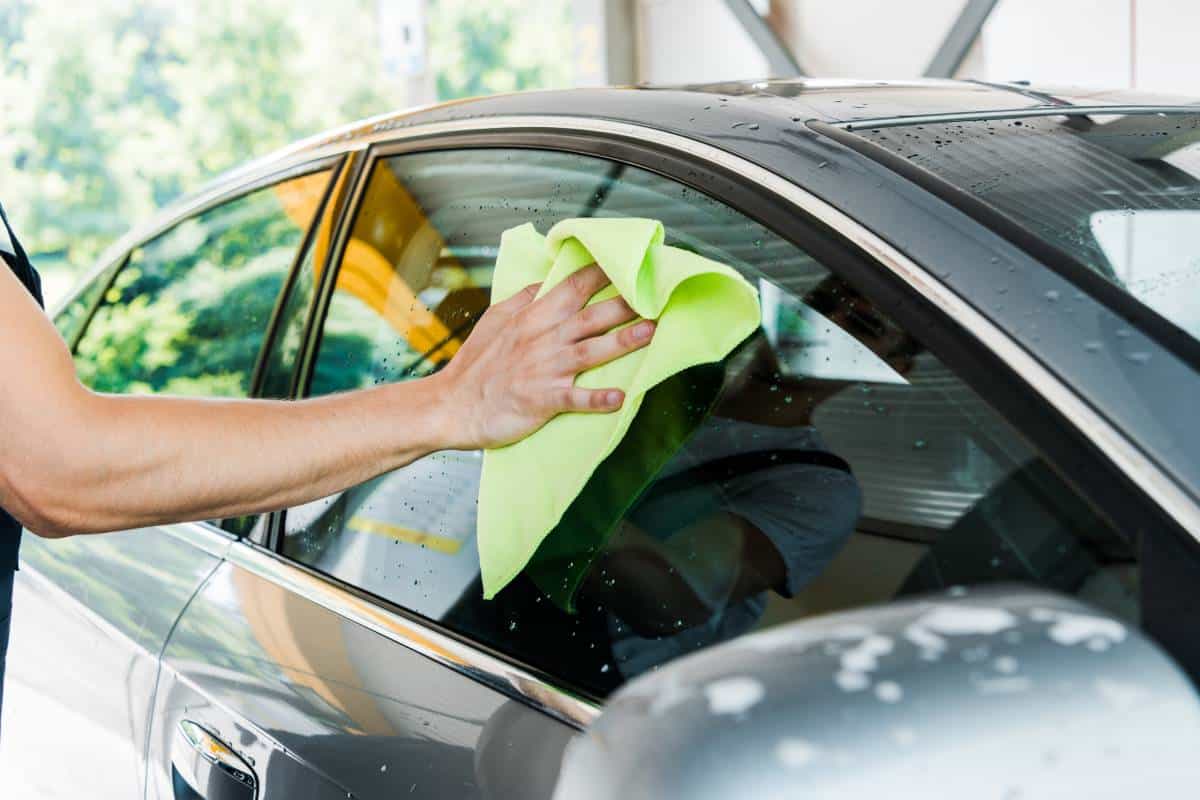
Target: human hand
[[517, 369]]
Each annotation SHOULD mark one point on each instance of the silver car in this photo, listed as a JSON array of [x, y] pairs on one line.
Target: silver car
[[932, 531]]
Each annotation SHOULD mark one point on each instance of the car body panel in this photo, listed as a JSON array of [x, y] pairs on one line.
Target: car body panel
[[92, 615], [307, 695], [921, 696]]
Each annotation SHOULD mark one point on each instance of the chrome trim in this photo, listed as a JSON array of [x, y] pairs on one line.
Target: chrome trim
[[110, 257], [202, 535], [1161, 488], [1015, 113], [417, 636]]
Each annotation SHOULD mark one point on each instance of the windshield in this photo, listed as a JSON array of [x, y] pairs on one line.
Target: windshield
[[1118, 193]]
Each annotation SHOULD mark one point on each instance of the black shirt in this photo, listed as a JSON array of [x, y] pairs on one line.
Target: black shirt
[[13, 254]]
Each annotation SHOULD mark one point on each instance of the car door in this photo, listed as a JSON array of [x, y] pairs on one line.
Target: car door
[[347, 643], [186, 312], [309, 690]]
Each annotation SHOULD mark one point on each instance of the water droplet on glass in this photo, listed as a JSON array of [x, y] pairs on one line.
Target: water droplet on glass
[[1093, 346], [1052, 296], [919, 444], [1138, 357]]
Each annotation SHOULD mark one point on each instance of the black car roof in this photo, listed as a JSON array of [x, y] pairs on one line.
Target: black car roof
[[797, 99]]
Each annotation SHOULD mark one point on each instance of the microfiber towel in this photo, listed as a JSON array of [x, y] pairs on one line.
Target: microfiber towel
[[703, 310]]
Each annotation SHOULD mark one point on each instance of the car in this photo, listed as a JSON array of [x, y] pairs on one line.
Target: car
[[965, 433]]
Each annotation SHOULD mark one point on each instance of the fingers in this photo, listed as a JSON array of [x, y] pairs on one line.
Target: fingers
[[614, 344], [599, 400], [554, 309], [518, 301], [578, 288], [599, 318]]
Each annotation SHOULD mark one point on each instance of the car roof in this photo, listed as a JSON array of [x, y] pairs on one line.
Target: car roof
[[792, 99], [827, 100]]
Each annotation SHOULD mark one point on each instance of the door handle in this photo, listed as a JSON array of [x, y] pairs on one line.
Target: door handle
[[205, 768]]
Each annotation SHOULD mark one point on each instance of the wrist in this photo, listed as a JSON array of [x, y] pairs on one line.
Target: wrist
[[444, 417]]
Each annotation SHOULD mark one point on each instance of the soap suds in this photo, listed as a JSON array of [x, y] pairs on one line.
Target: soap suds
[[889, 691], [1070, 629], [793, 752], [733, 695]]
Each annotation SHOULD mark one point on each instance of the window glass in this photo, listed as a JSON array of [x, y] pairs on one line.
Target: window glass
[[840, 464], [71, 319], [188, 312], [1120, 193], [280, 361]]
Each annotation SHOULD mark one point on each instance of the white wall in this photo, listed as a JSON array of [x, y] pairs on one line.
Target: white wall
[[1144, 44], [867, 38], [688, 41]]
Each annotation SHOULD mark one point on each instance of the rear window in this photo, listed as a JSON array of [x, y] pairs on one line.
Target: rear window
[[1118, 193]]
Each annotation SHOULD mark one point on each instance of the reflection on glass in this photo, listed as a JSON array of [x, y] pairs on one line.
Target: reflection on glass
[[188, 311], [1119, 193], [1155, 255], [834, 462]]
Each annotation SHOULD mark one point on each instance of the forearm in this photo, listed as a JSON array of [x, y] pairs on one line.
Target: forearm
[[78, 462], [121, 462]]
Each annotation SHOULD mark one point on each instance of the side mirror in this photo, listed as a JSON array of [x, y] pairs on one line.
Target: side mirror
[[1003, 692]]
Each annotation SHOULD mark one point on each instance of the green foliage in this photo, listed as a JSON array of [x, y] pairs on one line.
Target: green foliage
[[187, 315], [499, 46], [111, 108]]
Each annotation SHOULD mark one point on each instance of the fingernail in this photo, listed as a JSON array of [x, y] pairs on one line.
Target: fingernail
[[613, 398], [643, 330]]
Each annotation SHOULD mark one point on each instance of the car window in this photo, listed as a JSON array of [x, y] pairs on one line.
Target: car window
[[74, 315], [188, 311], [280, 360], [832, 460]]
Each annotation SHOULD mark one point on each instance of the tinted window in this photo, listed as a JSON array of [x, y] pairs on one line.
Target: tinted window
[[280, 362], [833, 460], [1119, 193], [188, 311]]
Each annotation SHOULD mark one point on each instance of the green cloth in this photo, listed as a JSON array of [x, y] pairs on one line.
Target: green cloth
[[670, 413], [703, 310]]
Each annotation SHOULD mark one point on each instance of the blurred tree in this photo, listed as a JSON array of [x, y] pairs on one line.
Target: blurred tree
[[501, 46], [111, 108]]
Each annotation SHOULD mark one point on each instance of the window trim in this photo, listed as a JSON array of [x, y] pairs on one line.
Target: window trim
[[1049, 413], [289, 281]]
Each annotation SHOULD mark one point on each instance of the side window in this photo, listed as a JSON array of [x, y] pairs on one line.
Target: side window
[[838, 463], [279, 363], [188, 311]]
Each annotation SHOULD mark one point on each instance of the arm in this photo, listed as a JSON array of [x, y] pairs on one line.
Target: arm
[[75, 461]]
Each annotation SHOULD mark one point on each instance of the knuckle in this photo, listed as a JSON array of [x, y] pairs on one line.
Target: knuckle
[[578, 283], [581, 355], [592, 316]]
